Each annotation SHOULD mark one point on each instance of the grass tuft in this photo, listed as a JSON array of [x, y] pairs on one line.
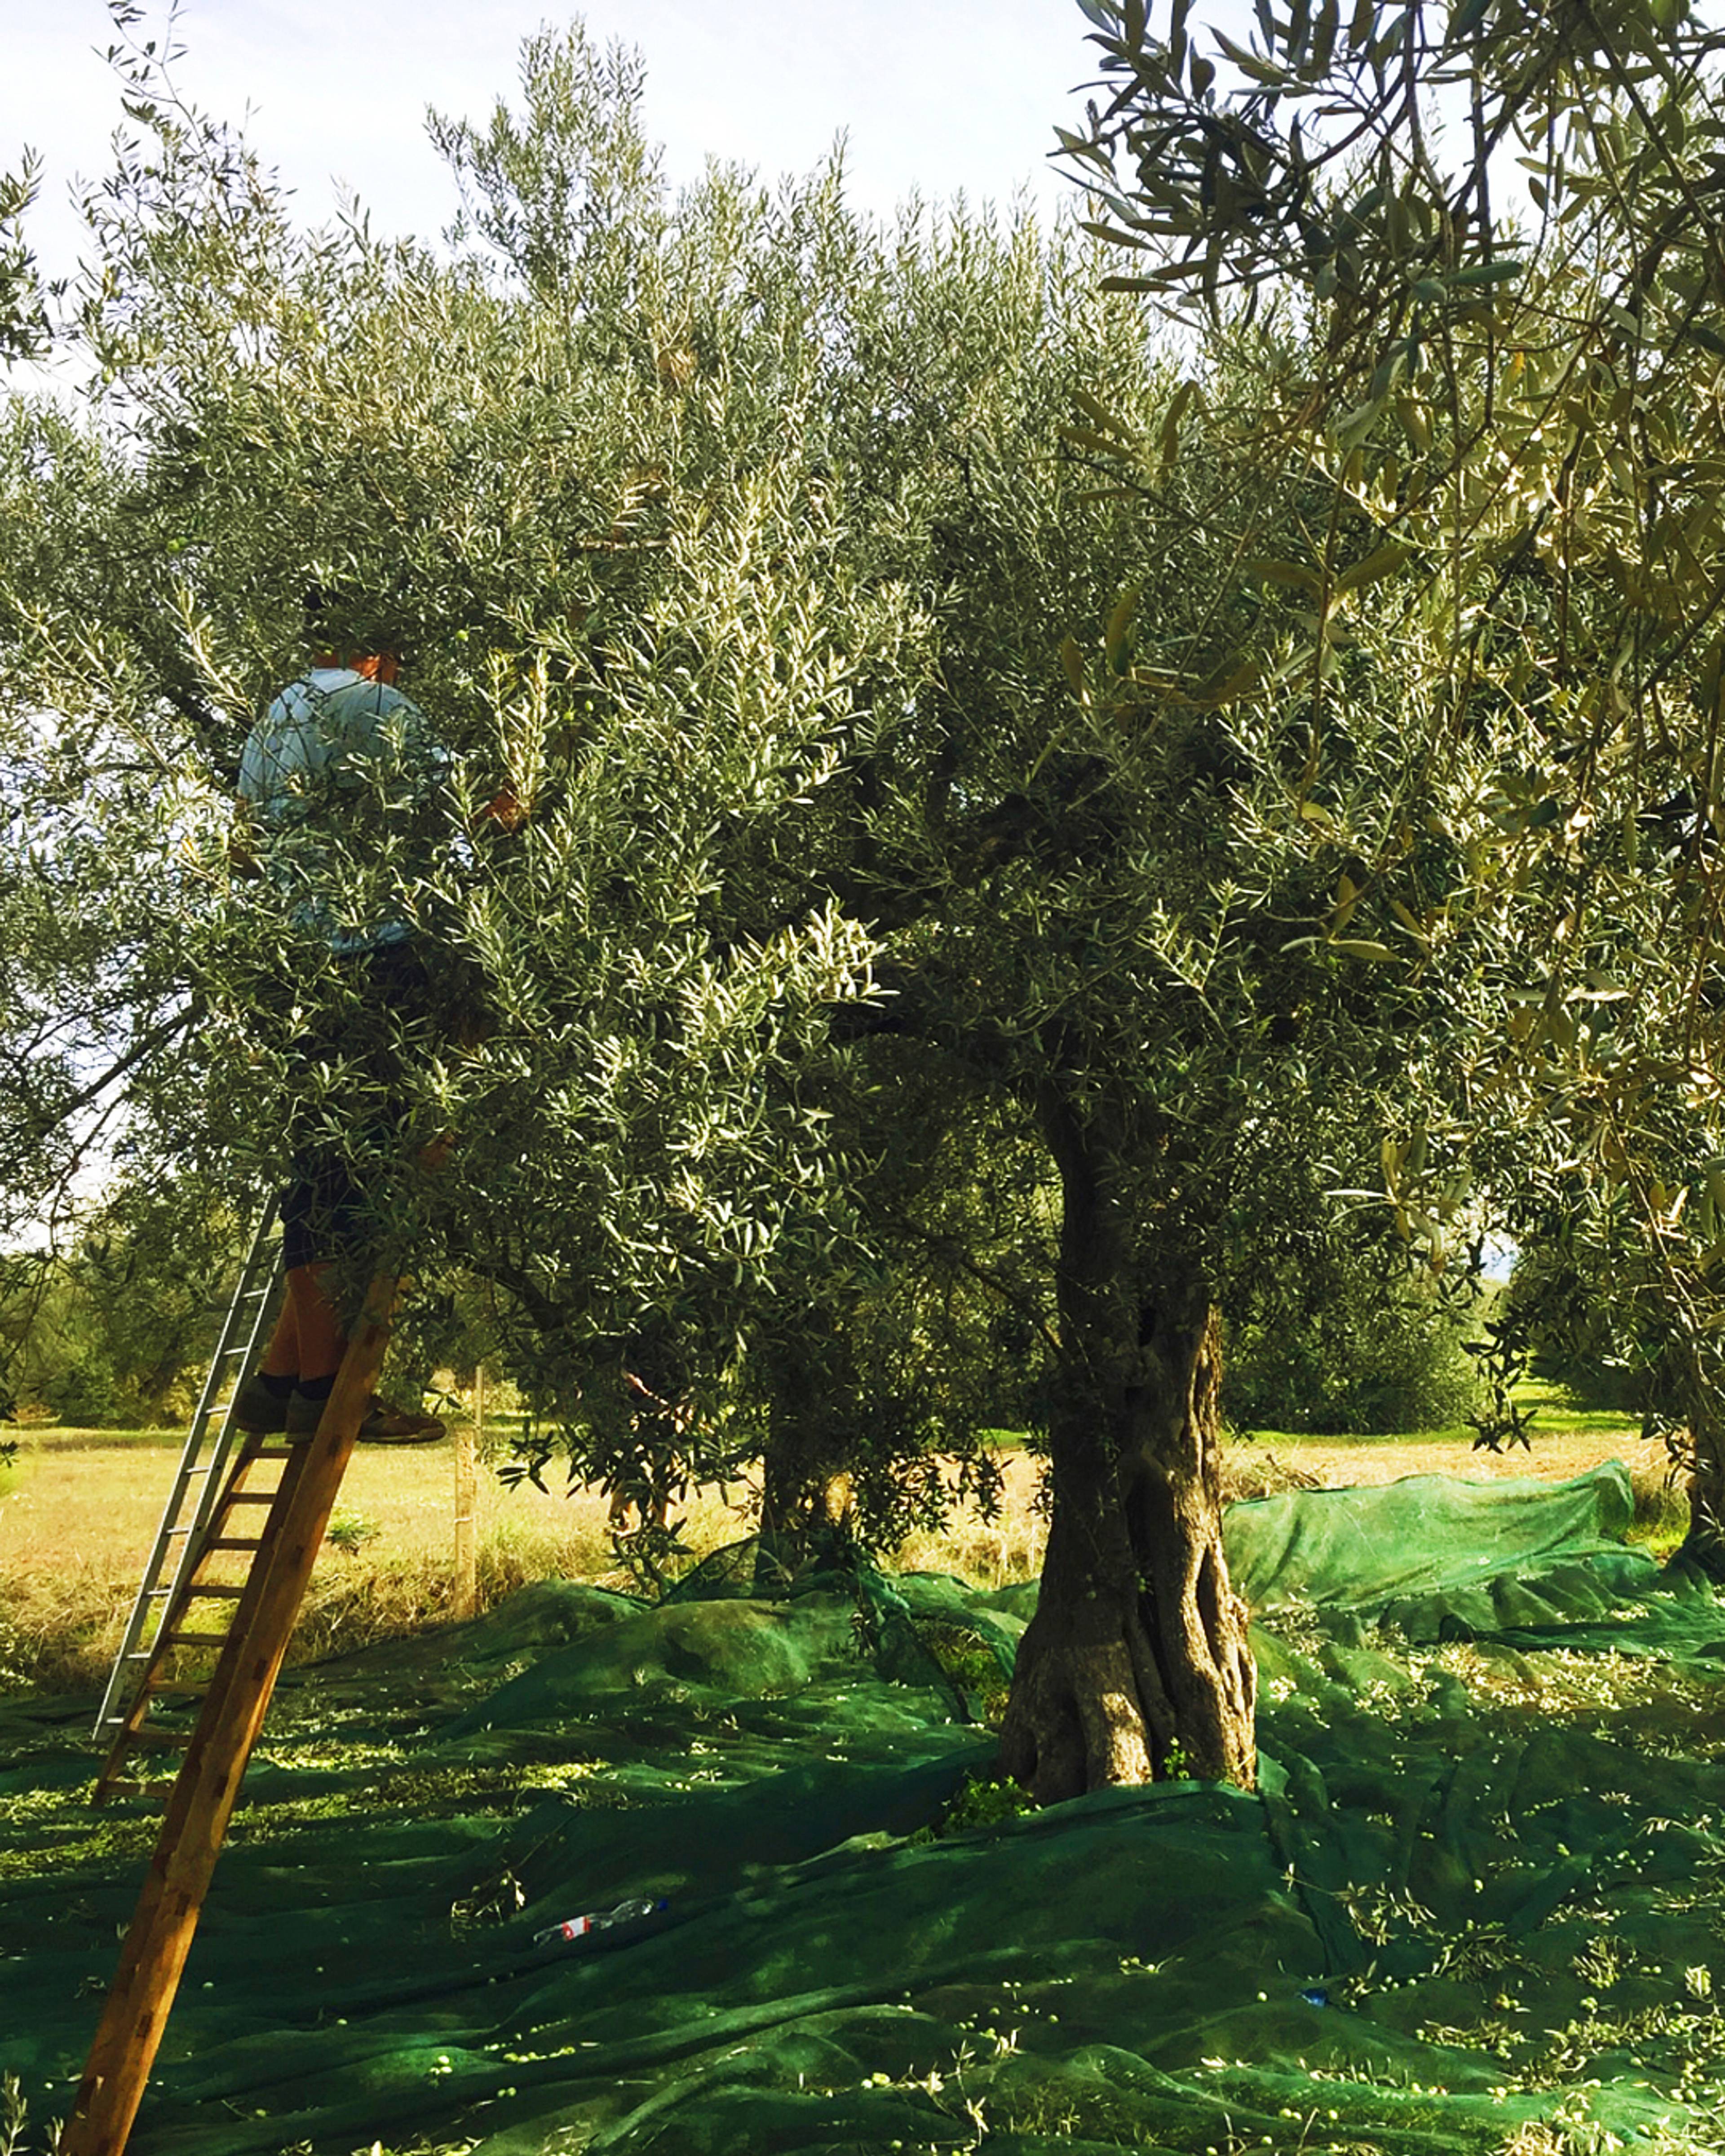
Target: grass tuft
[[1661, 1514]]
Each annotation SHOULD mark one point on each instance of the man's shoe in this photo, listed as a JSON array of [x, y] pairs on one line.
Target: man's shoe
[[388, 1426], [258, 1411], [303, 1416], [383, 1425]]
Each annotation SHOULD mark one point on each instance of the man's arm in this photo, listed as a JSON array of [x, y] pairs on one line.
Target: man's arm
[[504, 809]]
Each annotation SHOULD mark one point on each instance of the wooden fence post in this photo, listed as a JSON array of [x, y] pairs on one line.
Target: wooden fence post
[[467, 1434]]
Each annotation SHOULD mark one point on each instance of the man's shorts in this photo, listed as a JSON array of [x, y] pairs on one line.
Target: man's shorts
[[320, 1206]]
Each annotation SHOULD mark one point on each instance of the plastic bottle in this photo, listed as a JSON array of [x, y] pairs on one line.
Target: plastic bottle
[[599, 1920]]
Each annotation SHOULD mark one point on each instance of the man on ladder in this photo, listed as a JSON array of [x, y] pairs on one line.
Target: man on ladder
[[326, 741], [333, 742]]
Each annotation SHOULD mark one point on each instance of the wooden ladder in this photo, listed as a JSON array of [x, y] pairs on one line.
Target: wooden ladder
[[265, 1606]]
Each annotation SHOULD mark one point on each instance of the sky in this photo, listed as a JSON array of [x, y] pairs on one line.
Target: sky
[[935, 95]]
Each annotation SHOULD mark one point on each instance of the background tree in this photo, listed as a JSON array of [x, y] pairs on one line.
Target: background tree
[[1500, 229], [118, 1329], [1565, 1323], [1340, 1335]]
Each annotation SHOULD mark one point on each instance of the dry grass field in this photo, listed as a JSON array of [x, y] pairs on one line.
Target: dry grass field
[[78, 1510], [1337, 1463]]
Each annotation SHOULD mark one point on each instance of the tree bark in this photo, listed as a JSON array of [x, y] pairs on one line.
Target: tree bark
[[800, 1503], [1135, 1665], [1703, 1547]]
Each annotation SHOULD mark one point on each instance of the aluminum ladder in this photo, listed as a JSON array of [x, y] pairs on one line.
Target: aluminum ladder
[[198, 1524]]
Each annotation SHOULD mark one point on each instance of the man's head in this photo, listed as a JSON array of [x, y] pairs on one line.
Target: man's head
[[372, 665], [339, 637]]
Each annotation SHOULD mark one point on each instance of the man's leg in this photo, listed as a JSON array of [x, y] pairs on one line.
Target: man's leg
[[307, 1345], [308, 1341], [321, 1345], [299, 1369], [319, 1342], [281, 1357], [260, 1407]]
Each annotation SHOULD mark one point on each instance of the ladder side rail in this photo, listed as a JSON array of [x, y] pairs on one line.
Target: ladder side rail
[[122, 1727], [255, 1259], [197, 1524], [168, 1528], [151, 1595], [107, 1713], [150, 1592], [154, 1955]]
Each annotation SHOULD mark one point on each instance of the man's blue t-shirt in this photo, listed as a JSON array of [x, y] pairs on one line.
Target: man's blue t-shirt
[[334, 754]]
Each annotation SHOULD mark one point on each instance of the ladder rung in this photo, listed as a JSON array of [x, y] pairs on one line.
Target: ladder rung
[[253, 1497], [194, 1639], [174, 1739], [275, 1452], [232, 1543], [216, 1591]]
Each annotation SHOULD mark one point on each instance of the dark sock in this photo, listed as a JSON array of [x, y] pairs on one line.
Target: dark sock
[[316, 1389], [277, 1387]]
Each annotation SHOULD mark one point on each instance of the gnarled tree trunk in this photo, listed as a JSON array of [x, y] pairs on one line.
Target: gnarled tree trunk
[[1703, 1547], [1135, 1665], [803, 1491], [1682, 1401]]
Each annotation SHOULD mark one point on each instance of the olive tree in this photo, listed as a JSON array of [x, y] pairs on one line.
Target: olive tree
[[982, 830], [1500, 228], [613, 568]]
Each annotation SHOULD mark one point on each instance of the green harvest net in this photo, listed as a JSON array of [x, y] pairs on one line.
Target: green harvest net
[[1475, 1906]]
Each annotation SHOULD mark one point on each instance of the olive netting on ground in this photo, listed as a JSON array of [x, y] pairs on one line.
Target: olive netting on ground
[[1476, 1904]]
